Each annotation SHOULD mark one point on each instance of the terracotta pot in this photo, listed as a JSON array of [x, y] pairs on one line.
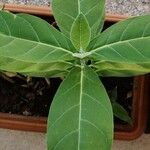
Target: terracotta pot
[[122, 132], [139, 111], [46, 11], [18, 122]]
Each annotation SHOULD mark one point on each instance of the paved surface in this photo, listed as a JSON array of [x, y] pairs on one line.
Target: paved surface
[[17, 140], [142, 143], [128, 7]]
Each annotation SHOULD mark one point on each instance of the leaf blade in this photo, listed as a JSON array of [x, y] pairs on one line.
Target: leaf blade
[[32, 28], [80, 33], [74, 124], [121, 113], [65, 12], [129, 46], [22, 43]]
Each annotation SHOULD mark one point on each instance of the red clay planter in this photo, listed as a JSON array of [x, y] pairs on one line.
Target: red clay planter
[[46, 11], [122, 132], [18, 122], [139, 111]]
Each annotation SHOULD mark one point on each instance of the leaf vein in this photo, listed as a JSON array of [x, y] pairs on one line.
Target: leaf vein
[[8, 44], [147, 26], [69, 89], [6, 24], [117, 53], [136, 50], [31, 27], [69, 109], [61, 140], [90, 10], [126, 28], [100, 130], [40, 43], [95, 100], [119, 42]]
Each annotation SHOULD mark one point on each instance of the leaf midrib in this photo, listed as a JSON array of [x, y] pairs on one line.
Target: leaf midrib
[[80, 107], [37, 42], [79, 7], [115, 43]]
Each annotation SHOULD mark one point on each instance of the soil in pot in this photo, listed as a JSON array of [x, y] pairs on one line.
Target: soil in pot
[[33, 96], [27, 96]]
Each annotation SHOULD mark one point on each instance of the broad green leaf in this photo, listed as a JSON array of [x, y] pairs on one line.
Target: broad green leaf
[[118, 110], [54, 69], [32, 28], [80, 33], [81, 116], [121, 113], [30, 45], [109, 68], [124, 48], [66, 11]]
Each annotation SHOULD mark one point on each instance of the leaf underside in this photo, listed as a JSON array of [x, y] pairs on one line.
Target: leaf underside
[[81, 115]]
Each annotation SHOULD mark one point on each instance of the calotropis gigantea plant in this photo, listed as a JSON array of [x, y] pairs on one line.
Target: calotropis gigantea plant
[[81, 116]]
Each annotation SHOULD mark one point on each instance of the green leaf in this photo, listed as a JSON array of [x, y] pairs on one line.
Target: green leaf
[[119, 69], [80, 33], [33, 44], [32, 28], [118, 110], [66, 11], [81, 115], [121, 113], [55, 69], [123, 48]]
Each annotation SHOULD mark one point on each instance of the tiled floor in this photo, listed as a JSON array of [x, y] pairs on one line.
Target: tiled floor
[[16, 140]]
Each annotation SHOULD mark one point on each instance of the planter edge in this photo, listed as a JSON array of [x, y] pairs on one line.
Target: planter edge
[[140, 100], [47, 11], [18, 122]]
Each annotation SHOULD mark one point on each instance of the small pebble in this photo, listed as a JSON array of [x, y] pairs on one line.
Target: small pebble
[[128, 7], [26, 113]]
